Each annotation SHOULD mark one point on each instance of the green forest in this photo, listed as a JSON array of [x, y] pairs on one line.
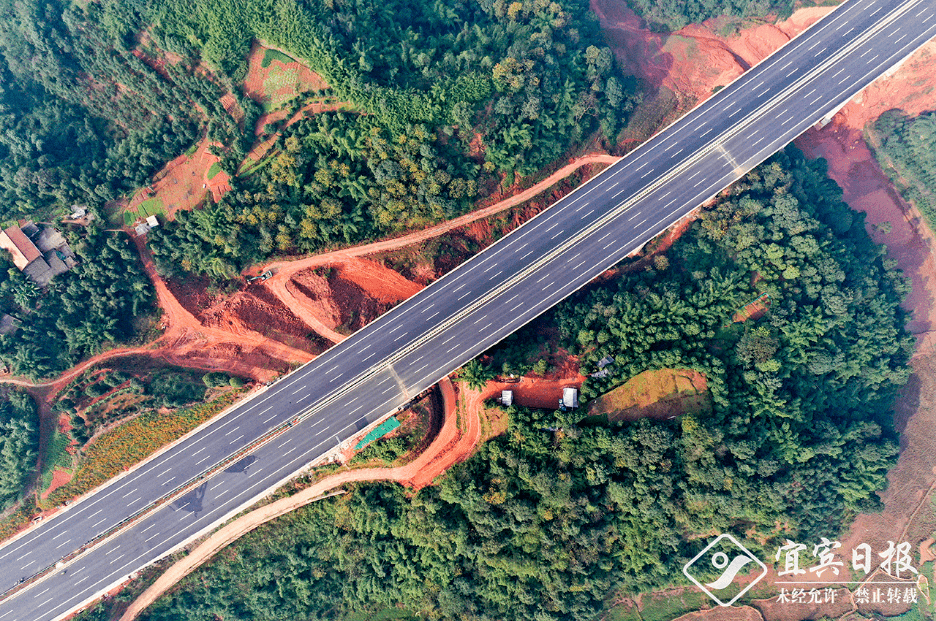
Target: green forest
[[531, 72], [450, 93], [533, 81], [905, 147], [671, 15], [809, 383], [82, 119], [19, 443], [338, 180], [551, 518], [99, 303]]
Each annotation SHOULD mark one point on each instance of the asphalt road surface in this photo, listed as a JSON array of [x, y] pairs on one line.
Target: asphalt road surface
[[405, 351]]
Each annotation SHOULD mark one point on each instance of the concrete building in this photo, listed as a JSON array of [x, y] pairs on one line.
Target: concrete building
[[570, 398], [144, 227]]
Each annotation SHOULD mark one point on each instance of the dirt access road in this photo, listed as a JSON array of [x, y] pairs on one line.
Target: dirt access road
[[284, 271]]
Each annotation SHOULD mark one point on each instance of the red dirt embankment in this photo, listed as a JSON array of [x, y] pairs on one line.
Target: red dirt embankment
[[310, 296], [349, 294], [188, 342], [868, 189], [693, 61], [59, 478]]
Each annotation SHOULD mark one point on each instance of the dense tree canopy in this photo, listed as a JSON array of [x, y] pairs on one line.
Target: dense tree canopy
[[86, 115], [19, 441], [338, 179], [84, 120], [531, 76], [445, 95], [671, 15], [801, 396], [452, 93]]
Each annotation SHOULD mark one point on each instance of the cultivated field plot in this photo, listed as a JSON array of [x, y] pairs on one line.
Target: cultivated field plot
[[182, 184], [149, 207], [273, 78]]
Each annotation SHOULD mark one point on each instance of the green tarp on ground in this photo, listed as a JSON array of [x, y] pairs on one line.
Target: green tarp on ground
[[378, 432]]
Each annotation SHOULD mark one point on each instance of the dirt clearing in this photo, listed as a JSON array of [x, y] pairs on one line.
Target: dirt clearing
[[59, 478], [335, 300], [182, 184], [683, 68]]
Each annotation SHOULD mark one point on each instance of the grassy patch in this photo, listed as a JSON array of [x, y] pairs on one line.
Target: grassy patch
[[903, 146], [191, 150], [132, 442], [280, 86], [623, 612], [658, 394], [251, 167], [17, 518], [56, 456], [151, 207], [387, 614], [270, 55], [214, 170], [668, 606]]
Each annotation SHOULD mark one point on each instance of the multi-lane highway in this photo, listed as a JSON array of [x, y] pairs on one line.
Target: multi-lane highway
[[408, 349]]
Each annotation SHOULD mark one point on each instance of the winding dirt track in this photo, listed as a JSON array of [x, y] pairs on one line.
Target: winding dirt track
[[283, 270], [451, 446], [181, 342]]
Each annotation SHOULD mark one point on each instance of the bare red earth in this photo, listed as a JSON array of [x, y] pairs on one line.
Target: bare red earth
[[696, 59]]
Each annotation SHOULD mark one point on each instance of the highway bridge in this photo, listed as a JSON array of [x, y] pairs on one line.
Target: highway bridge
[[405, 351]]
